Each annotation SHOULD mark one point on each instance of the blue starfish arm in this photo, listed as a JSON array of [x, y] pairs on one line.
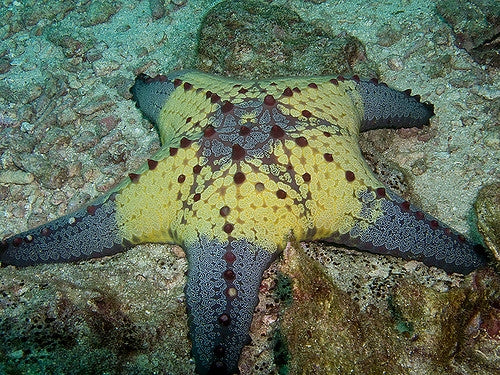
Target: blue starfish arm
[[221, 295], [384, 107], [388, 224], [90, 232]]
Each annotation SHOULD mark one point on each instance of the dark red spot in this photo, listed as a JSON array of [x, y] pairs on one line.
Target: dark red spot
[[313, 85], [296, 89], [461, 238], [238, 152], [281, 194], [152, 164], [239, 178], [419, 215], [91, 210], [17, 241], [208, 94], [243, 90], [229, 257], [334, 81], [196, 197], [301, 141], [134, 177], [287, 92], [46, 231], [185, 142], [181, 178], [187, 86], [224, 320], [214, 98], [405, 206], [197, 169], [447, 231], [219, 351], [326, 134], [177, 82], [269, 100], [349, 176], [407, 92], [227, 107], [434, 224], [224, 211], [355, 78], [173, 151], [188, 119], [306, 177], [228, 228], [229, 275], [306, 113], [328, 157], [277, 132], [209, 131], [244, 130], [374, 80], [380, 192], [341, 78]]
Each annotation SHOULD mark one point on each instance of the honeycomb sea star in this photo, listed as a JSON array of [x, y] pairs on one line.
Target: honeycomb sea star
[[245, 167]]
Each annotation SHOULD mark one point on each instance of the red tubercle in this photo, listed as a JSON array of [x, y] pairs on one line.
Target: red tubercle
[[134, 177], [209, 131], [434, 224], [185, 142], [349, 176], [269, 100], [277, 132], [91, 210], [228, 228], [288, 92], [17, 241], [312, 85], [239, 178], [355, 78], [238, 152], [229, 257], [227, 107], [177, 82], [152, 164], [306, 113], [380, 192], [187, 86]]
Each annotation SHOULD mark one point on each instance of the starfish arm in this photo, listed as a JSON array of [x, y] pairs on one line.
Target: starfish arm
[[90, 232], [384, 107], [387, 224], [221, 295]]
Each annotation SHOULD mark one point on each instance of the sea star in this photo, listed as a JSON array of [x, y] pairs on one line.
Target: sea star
[[246, 167]]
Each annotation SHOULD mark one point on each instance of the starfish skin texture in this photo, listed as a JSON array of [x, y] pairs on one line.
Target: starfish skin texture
[[244, 168]]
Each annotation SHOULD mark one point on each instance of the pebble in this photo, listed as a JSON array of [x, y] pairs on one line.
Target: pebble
[[16, 177], [395, 63]]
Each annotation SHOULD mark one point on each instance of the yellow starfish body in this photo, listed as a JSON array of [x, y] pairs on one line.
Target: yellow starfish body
[[262, 185]]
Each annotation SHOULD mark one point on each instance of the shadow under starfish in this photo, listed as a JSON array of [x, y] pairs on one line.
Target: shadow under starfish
[[244, 168]]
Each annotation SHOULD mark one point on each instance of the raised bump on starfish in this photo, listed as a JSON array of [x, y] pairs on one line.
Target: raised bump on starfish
[[245, 167]]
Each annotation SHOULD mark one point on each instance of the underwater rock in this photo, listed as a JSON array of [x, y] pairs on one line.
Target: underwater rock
[[255, 39], [326, 333], [69, 319], [476, 25], [488, 214], [421, 330]]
